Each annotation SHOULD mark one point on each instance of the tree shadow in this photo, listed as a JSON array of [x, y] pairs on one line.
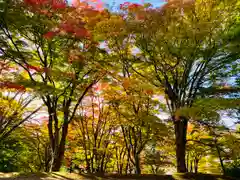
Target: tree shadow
[[118, 176], [55, 175], [23, 176], [201, 176]]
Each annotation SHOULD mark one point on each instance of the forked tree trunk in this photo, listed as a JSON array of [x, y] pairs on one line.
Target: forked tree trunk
[[180, 140], [59, 154]]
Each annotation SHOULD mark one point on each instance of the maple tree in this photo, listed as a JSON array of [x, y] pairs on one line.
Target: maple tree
[[106, 78], [135, 109], [49, 64], [178, 48], [94, 129]]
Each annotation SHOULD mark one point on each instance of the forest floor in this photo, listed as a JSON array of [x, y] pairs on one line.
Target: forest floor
[[68, 176]]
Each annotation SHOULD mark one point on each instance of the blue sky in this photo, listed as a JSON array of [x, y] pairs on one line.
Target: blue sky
[[155, 3]]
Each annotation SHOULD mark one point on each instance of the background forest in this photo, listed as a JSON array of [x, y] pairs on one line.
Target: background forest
[[88, 88]]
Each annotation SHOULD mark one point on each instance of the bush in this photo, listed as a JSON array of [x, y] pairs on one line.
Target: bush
[[233, 169]]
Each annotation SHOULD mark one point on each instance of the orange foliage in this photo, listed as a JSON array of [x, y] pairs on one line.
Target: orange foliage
[[81, 32], [101, 86], [190, 127], [140, 16], [38, 69], [11, 85], [126, 83], [149, 91], [93, 4]]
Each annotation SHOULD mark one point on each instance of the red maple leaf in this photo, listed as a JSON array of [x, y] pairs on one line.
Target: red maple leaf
[[49, 35], [134, 6], [82, 32], [67, 27], [58, 5]]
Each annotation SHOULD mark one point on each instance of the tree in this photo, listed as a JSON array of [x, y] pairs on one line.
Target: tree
[[94, 128], [34, 135], [159, 154], [178, 48], [135, 108], [195, 149], [14, 111], [50, 60]]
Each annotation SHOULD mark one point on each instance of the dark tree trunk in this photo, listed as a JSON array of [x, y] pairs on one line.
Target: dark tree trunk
[[103, 163], [180, 139], [196, 165], [61, 149], [128, 164], [220, 158], [191, 166], [137, 164]]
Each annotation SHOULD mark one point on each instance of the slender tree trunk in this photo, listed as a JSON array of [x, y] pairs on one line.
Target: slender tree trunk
[[191, 166], [137, 164], [220, 158], [102, 163], [128, 164], [180, 139], [196, 165], [187, 163], [92, 159], [47, 158]]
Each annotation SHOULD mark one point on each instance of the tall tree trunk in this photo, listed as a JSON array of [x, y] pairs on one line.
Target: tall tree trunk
[[180, 139], [191, 166], [137, 164], [103, 162], [61, 149], [196, 165], [128, 163]]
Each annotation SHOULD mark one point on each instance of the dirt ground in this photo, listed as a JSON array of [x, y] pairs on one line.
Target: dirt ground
[[68, 176]]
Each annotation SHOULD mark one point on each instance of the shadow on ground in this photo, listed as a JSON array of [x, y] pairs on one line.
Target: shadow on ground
[[187, 176], [68, 176], [25, 176]]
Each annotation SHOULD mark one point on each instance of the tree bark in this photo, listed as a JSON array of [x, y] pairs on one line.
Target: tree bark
[[196, 165], [61, 149], [137, 164], [220, 158], [180, 140]]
